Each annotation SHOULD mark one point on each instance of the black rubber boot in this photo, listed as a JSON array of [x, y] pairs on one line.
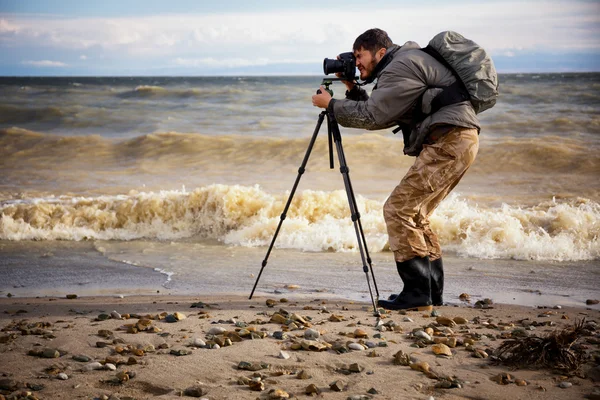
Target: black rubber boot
[[416, 294], [437, 282]]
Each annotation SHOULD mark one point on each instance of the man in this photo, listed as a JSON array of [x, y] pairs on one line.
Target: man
[[445, 143]]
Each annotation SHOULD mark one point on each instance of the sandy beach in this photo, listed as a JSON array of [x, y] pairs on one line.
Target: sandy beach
[[281, 346]]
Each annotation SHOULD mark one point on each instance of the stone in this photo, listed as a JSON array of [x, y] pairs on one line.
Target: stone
[[421, 366], [110, 367], [445, 321], [180, 352], [337, 386], [441, 350], [355, 367], [278, 394], [422, 335], [478, 353], [50, 353], [460, 320], [81, 358], [283, 355], [520, 382], [62, 376], [311, 334], [271, 303], [565, 385], [356, 346], [407, 319], [217, 330], [401, 358], [194, 391], [502, 378], [278, 319], [303, 375], [197, 342], [312, 345], [359, 333], [590, 302], [93, 366], [179, 316], [9, 385], [71, 296], [312, 389], [115, 315], [257, 386]]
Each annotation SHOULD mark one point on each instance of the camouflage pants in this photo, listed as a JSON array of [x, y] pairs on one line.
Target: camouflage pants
[[436, 171]]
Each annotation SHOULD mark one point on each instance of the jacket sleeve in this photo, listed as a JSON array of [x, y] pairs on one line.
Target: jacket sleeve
[[397, 89]]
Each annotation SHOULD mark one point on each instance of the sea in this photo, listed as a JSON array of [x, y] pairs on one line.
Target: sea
[[179, 183]]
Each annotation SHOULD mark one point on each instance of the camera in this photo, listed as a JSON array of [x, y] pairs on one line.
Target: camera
[[346, 65]]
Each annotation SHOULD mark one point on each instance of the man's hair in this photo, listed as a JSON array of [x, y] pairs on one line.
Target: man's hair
[[372, 40]]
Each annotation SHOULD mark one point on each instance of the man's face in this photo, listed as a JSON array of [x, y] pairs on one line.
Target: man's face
[[366, 61]]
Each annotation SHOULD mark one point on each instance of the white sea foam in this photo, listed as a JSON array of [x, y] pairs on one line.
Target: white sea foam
[[316, 221]]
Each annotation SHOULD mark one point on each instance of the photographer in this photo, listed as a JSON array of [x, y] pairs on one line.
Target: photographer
[[445, 144]]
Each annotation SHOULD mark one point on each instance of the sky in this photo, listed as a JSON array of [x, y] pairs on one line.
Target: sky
[[231, 37]]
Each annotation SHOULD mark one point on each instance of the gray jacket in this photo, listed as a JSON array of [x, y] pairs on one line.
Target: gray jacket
[[409, 73]]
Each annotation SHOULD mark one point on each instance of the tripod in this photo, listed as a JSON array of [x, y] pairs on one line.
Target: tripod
[[333, 135]]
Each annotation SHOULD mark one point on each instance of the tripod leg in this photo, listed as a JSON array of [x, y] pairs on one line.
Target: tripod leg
[[360, 236], [289, 201]]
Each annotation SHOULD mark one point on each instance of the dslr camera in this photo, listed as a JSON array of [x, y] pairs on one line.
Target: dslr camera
[[346, 65]]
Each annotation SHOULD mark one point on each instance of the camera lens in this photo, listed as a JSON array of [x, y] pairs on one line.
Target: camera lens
[[331, 66]]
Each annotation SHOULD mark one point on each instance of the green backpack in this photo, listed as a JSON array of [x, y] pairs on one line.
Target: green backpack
[[474, 69]]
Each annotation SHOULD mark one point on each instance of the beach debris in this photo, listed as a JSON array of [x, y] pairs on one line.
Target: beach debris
[[312, 345], [555, 351]]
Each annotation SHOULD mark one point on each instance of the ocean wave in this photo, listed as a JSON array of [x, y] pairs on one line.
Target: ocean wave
[[150, 91], [316, 221]]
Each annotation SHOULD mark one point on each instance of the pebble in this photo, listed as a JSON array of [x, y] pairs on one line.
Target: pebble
[[110, 367], [590, 302], [93, 366], [312, 389], [217, 330], [81, 358], [311, 334], [356, 346], [283, 355], [62, 376], [50, 353], [115, 315], [565, 385], [197, 342], [423, 335], [371, 345], [407, 319], [441, 350]]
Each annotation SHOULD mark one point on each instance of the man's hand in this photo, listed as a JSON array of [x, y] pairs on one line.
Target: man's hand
[[322, 99]]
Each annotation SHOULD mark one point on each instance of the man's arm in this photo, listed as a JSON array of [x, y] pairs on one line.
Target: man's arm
[[395, 95]]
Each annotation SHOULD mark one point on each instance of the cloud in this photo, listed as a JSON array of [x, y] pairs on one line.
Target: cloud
[[45, 63], [83, 57]]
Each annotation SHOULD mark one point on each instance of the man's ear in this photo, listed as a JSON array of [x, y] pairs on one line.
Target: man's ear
[[381, 52]]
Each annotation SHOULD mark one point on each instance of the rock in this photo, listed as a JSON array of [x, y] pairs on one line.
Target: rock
[[373, 391], [9, 385], [422, 335], [81, 358], [71, 296], [520, 382], [283, 355], [93, 366], [110, 367], [217, 330], [356, 346], [422, 366], [194, 391], [478, 353], [355, 367], [252, 366], [303, 375], [590, 302], [312, 389], [197, 342], [312, 345], [337, 386], [179, 316], [451, 342], [359, 397], [445, 321], [115, 315], [565, 385], [50, 353], [441, 350], [279, 335], [460, 320], [278, 394], [401, 358], [62, 376], [371, 345], [465, 297], [180, 352], [311, 334], [270, 303], [502, 378], [359, 333], [257, 386], [278, 319]]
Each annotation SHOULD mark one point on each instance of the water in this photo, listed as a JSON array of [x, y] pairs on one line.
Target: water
[[190, 161]]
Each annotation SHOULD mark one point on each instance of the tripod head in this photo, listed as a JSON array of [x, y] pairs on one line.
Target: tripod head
[[328, 81]]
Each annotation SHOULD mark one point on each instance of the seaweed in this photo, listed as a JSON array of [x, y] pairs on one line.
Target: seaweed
[[556, 350]]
